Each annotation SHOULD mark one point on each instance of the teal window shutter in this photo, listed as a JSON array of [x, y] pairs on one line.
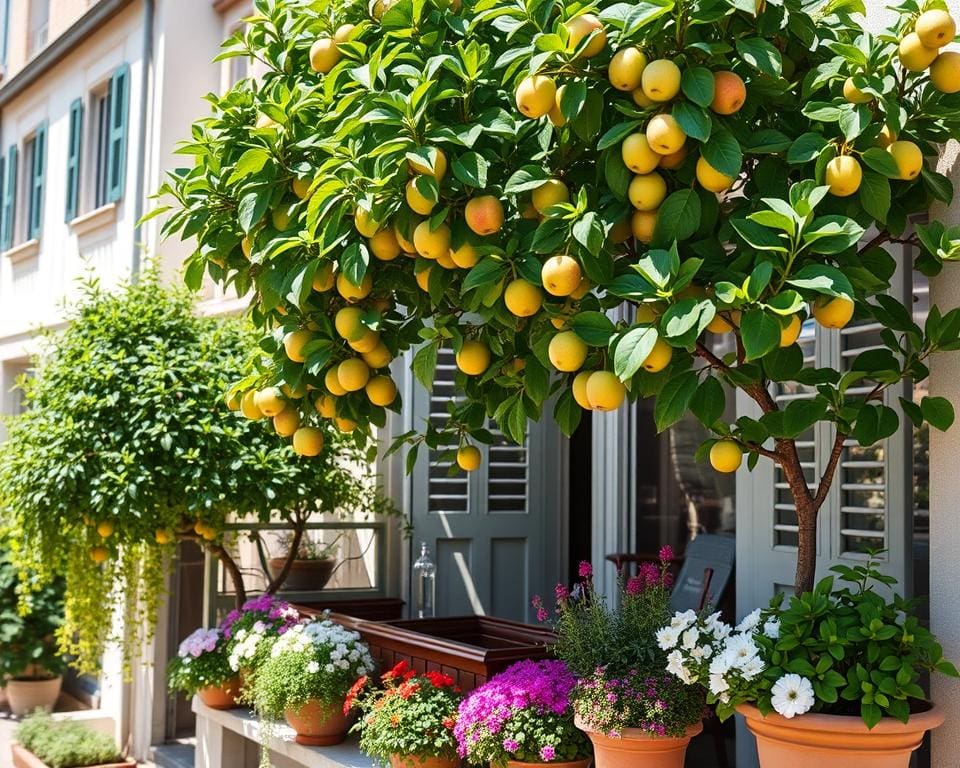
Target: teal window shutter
[[117, 145], [37, 178], [73, 159], [9, 200]]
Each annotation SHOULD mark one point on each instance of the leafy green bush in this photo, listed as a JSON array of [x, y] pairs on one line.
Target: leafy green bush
[[66, 744]]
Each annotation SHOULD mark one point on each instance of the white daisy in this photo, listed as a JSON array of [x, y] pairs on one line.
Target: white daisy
[[750, 622], [772, 629], [667, 637], [792, 695]]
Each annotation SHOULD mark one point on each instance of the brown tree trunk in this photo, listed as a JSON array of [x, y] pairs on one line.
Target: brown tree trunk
[[806, 549]]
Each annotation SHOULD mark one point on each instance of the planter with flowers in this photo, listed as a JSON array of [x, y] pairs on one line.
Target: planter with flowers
[[202, 667], [305, 679], [248, 632], [310, 568], [633, 710], [409, 722], [833, 674], [523, 717]]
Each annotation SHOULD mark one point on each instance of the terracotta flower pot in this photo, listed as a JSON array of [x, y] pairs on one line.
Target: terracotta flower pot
[[304, 575], [317, 724], [223, 696], [24, 696], [585, 763], [636, 748], [419, 761], [834, 741]]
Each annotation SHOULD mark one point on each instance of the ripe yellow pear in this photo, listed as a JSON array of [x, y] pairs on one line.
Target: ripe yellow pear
[[366, 343], [294, 342], [345, 425], [293, 393], [853, 94], [465, 257], [422, 276], [246, 246], [308, 441], [536, 95], [638, 155], [473, 358], [431, 243], [280, 218], [343, 33], [105, 529], [729, 93], [886, 137], [664, 134], [646, 314], [418, 203], [286, 422], [833, 312], [348, 324], [582, 289], [908, 157], [675, 159], [647, 191], [643, 224], [364, 222], [661, 80], [605, 391], [579, 388], [710, 178], [719, 325], [351, 292], [659, 357], [945, 72], [468, 458], [726, 456], [790, 331], [301, 188], [406, 245], [843, 175], [232, 399], [323, 279], [332, 382], [381, 391], [523, 299], [163, 536], [270, 401], [625, 70], [641, 99], [550, 193], [935, 28], [484, 214], [324, 55], [914, 55], [579, 28], [353, 374], [446, 261], [378, 357], [326, 406], [384, 245], [439, 170], [561, 275], [567, 351], [99, 554], [248, 405]]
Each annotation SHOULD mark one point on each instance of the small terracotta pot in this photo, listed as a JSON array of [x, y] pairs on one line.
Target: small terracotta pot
[[420, 761], [24, 696], [317, 724], [304, 575], [636, 747], [835, 741], [223, 696], [585, 763]]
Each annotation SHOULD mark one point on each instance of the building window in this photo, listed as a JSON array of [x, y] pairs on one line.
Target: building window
[[101, 145], [34, 173], [104, 148], [74, 152], [39, 26], [4, 31]]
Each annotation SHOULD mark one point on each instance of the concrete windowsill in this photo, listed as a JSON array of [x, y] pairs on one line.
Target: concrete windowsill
[[100, 217], [28, 250]]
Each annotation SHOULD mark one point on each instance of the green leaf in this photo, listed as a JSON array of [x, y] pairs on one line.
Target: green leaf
[[697, 85], [723, 153], [567, 412], [694, 120], [938, 411], [528, 178], [881, 161], [760, 333], [874, 195], [823, 279], [805, 148], [471, 169], [832, 234], [767, 141], [709, 402], [760, 55], [760, 237], [251, 209], [937, 184], [632, 349], [250, 163], [674, 400], [595, 328], [617, 133], [678, 217]]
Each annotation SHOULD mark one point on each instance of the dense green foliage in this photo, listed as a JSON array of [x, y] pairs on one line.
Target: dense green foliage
[[66, 744]]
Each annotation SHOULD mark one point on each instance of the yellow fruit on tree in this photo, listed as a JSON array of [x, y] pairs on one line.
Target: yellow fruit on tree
[[579, 388], [523, 299], [474, 357], [270, 401], [581, 27], [345, 425], [935, 28], [417, 201], [561, 275], [294, 342], [637, 154], [343, 33], [286, 422], [833, 312], [647, 191], [664, 134], [431, 243], [843, 175], [423, 279], [99, 554], [643, 224], [366, 343], [353, 374], [468, 458], [465, 256], [659, 357], [293, 393], [729, 93], [646, 314], [914, 55], [384, 245], [326, 406], [726, 456], [364, 222], [332, 382], [348, 323], [853, 94], [232, 399], [246, 246], [301, 188], [626, 69], [308, 441], [620, 232], [484, 214], [352, 292], [719, 325], [403, 241], [908, 157], [324, 55], [567, 351], [248, 405], [641, 99], [661, 80], [378, 357], [556, 112], [790, 331], [548, 194], [280, 218], [675, 159], [582, 289], [945, 72], [323, 279], [440, 166], [710, 178], [105, 529], [163, 536], [605, 391], [536, 95], [886, 137], [381, 390]]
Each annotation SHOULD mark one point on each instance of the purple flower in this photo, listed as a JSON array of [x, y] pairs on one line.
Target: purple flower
[[547, 753], [510, 745], [585, 570], [666, 554], [542, 614], [561, 592]]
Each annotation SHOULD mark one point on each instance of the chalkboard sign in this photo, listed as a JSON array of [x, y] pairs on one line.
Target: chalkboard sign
[[707, 551]]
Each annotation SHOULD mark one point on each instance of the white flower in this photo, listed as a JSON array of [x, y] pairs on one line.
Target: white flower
[[720, 664], [772, 629], [667, 637], [689, 639], [683, 620], [675, 667], [718, 684], [750, 622], [313, 667], [740, 649], [329, 668], [752, 668], [792, 695]]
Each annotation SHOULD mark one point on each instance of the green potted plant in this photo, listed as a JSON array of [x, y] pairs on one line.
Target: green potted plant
[[202, 667], [31, 664], [42, 742], [312, 566], [408, 721]]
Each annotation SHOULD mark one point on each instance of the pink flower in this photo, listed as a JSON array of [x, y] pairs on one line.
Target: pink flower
[[547, 753], [666, 553], [542, 615], [510, 745], [586, 570], [561, 592]]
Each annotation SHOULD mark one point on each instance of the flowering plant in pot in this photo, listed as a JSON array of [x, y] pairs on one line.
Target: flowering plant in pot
[[311, 566], [202, 667], [249, 629], [410, 720], [625, 701], [848, 655], [306, 677], [523, 716]]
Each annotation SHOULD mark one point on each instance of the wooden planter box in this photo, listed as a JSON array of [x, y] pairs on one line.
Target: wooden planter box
[[369, 608], [24, 758], [468, 648]]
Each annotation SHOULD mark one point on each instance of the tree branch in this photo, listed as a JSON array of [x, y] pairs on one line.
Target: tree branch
[[229, 564], [826, 480]]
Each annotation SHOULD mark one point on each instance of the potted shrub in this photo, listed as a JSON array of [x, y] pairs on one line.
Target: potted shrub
[[310, 568], [523, 716], [248, 632], [202, 667], [31, 665], [306, 677], [848, 656], [625, 700], [409, 721], [42, 742]]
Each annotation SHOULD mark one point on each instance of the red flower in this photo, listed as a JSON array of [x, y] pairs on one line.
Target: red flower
[[353, 693], [449, 723], [439, 680], [398, 670], [408, 689]]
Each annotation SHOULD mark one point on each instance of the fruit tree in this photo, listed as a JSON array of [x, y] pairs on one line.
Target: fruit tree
[[497, 176]]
